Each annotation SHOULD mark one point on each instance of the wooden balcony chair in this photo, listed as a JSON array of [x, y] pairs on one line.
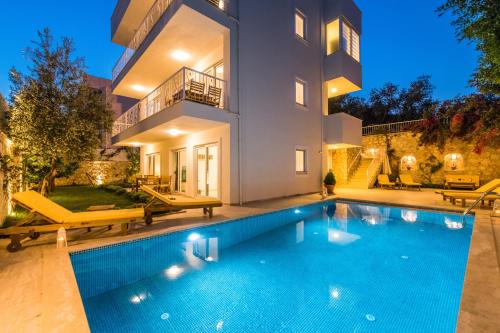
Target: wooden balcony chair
[[214, 96], [196, 91]]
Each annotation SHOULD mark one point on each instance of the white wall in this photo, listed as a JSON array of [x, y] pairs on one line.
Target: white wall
[[220, 136], [270, 57]]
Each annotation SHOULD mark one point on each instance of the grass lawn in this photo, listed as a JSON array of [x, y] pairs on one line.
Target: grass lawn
[[78, 199]]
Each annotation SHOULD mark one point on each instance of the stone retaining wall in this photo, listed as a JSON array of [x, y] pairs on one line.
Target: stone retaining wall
[[96, 173], [430, 159]]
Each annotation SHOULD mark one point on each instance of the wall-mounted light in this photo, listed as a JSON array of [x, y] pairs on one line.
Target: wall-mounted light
[[221, 4], [334, 90], [408, 162]]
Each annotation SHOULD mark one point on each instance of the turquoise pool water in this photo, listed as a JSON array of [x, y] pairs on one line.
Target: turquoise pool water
[[328, 267]]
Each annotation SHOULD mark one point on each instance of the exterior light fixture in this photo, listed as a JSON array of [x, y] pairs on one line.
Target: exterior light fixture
[[180, 55], [174, 132], [61, 238], [173, 272], [135, 144], [409, 216], [194, 236], [98, 180], [334, 90], [221, 4], [138, 87]]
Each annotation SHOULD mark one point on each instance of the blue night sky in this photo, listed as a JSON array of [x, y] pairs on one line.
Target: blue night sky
[[401, 40]]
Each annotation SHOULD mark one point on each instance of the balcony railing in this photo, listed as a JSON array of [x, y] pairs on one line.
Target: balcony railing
[[187, 84], [152, 17]]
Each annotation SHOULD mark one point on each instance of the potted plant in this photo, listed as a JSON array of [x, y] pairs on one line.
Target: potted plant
[[329, 182]]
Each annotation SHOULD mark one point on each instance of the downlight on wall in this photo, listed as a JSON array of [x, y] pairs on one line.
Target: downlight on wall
[[138, 87]]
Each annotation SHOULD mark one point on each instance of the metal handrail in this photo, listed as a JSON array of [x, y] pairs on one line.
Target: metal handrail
[[481, 198], [170, 92], [152, 17], [402, 126]]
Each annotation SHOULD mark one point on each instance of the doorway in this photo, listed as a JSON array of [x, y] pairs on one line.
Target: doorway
[[207, 171]]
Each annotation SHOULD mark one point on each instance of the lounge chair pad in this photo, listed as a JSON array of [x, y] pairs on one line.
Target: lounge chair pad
[[106, 215]]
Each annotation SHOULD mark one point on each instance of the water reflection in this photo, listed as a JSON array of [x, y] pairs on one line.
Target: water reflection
[[299, 232], [453, 225], [409, 215]]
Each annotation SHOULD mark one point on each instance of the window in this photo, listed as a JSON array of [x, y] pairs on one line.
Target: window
[[153, 164], [340, 35], [300, 161], [300, 92], [350, 41], [300, 25]]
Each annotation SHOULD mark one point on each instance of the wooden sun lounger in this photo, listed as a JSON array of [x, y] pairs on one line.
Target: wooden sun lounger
[[171, 202], [47, 216], [383, 180], [488, 187], [463, 197], [407, 181]]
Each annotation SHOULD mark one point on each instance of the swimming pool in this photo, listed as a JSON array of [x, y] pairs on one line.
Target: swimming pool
[[326, 267]]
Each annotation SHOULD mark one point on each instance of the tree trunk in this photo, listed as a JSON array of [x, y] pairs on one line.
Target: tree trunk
[[48, 182]]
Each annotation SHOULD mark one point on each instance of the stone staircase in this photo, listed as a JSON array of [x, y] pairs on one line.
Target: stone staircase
[[358, 179]]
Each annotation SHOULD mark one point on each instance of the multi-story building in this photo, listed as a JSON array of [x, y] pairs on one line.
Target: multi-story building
[[233, 93]]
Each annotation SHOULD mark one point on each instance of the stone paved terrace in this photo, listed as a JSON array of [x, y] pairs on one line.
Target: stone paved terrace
[[39, 291]]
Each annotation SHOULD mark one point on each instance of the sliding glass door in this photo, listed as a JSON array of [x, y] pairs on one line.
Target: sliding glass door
[[207, 169]]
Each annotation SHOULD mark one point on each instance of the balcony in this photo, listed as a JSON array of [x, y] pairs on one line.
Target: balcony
[[185, 85], [150, 20]]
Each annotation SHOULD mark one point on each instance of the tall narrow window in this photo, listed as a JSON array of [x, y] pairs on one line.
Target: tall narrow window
[[300, 92], [300, 24], [340, 35], [300, 161]]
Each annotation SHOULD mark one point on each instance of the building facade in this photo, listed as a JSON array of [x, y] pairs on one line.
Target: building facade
[[233, 94]]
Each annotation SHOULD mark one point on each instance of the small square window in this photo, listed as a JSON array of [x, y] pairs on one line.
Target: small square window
[[300, 161], [300, 92], [300, 24]]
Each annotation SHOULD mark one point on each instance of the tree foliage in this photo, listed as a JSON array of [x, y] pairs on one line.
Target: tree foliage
[[478, 21], [389, 103], [55, 118], [474, 118], [4, 109]]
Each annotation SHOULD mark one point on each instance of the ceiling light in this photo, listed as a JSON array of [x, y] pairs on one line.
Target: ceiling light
[[136, 144], [180, 55], [138, 87], [334, 90], [174, 132]]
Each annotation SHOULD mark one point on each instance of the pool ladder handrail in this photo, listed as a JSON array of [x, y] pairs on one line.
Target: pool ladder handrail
[[478, 200]]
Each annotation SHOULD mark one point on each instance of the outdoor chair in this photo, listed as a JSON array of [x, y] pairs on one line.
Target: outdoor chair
[[196, 91], [47, 216], [488, 187], [383, 180], [169, 203], [407, 181], [214, 96]]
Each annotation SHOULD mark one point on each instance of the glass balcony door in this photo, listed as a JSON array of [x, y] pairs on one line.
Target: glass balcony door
[[180, 171], [207, 171]]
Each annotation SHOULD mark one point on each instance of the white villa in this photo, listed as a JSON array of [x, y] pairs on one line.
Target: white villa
[[233, 94]]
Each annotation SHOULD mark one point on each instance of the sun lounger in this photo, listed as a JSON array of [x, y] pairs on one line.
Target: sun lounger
[[463, 197], [47, 216], [488, 187], [171, 202], [383, 180], [407, 181]]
